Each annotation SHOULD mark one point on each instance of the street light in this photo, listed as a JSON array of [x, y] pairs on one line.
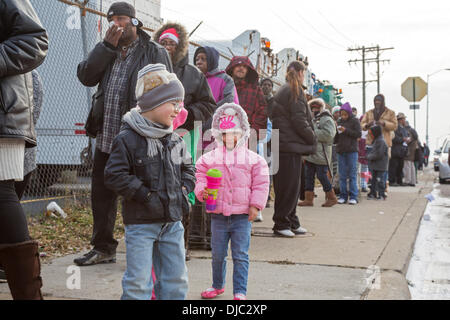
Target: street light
[[428, 96]]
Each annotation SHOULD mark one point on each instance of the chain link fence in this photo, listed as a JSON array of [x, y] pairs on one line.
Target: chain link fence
[[64, 152]]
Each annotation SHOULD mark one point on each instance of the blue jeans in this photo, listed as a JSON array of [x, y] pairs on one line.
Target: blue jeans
[[160, 245], [311, 170], [236, 228], [348, 171]]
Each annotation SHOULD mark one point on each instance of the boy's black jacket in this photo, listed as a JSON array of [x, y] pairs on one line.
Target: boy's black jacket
[[378, 155], [151, 187]]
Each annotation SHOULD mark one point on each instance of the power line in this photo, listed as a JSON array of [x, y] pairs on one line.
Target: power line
[[335, 29], [363, 51], [317, 31], [300, 34]]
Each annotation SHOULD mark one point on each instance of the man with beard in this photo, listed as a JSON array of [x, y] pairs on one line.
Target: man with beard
[[113, 65], [382, 116]]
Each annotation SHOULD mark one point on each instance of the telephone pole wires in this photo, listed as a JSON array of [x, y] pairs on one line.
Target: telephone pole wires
[[364, 51]]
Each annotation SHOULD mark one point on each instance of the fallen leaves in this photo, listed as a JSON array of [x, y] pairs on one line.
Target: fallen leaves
[[59, 237]]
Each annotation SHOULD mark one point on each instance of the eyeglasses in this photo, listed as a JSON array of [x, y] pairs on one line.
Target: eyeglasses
[[168, 44], [177, 106]]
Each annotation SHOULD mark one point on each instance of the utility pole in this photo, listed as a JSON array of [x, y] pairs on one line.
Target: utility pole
[[378, 69], [363, 51], [364, 78]]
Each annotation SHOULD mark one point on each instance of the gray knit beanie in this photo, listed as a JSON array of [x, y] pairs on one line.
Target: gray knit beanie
[[156, 86]]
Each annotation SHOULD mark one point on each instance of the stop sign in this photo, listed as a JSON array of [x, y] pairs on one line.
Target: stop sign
[[414, 89]]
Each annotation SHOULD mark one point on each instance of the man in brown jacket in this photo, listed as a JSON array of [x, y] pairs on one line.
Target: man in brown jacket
[[382, 116]]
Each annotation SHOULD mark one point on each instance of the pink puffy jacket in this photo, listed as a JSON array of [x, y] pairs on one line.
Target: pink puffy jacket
[[245, 179], [245, 174]]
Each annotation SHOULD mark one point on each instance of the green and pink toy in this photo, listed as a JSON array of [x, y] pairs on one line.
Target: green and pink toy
[[213, 179]]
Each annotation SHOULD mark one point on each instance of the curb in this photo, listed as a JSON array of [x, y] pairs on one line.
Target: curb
[[395, 258]]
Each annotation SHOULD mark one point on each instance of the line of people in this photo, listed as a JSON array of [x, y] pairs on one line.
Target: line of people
[[150, 151]]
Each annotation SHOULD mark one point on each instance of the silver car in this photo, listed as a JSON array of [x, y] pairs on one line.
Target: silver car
[[444, 168]]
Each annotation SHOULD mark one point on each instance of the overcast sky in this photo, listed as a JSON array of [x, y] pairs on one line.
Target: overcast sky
[[324, 30]]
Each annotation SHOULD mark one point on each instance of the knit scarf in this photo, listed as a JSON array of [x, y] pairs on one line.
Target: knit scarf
[[153, 132]]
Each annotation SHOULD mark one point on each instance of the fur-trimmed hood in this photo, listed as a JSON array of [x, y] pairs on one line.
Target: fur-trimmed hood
[[243, 119], [183, 44], [319, 102]]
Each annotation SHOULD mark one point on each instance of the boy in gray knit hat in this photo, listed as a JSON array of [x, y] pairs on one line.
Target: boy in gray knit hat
[[150, 168]]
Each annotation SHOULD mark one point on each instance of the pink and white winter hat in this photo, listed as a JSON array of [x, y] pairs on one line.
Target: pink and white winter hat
[[170, 34]]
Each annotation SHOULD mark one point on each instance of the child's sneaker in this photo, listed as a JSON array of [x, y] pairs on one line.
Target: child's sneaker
[[239, 296], [259, 217], [211, 293], [342, 201], [299, 231], [352, 201], [371, 197]]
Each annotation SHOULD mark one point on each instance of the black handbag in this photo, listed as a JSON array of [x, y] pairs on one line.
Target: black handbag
[[94, 121]]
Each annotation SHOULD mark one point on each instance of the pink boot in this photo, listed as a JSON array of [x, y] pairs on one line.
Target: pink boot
[[211, 293]]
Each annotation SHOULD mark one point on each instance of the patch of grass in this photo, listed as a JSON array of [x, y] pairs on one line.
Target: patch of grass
[[59, 237]]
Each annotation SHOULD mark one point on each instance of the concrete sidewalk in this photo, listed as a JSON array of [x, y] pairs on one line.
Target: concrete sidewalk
[[347, 248]]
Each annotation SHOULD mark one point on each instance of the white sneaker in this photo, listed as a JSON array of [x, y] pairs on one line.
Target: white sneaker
[[352, 201], [300, 230], [259, 217], [284, 233], [342, 201]]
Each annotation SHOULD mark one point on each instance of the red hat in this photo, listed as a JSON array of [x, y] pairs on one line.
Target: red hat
[[171, 34]]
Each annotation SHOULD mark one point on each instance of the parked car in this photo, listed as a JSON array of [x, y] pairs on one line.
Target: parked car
[[437, 154], [436, 160], [444, 167]]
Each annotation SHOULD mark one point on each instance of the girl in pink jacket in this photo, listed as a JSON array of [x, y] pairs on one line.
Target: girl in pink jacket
[[243, 191]]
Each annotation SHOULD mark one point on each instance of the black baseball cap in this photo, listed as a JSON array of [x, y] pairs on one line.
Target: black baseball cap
[[123, 9]]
